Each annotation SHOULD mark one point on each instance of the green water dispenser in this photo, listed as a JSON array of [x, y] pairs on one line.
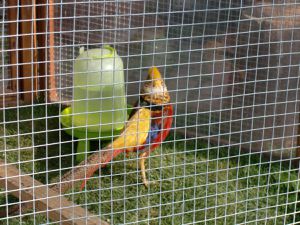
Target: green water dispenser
[[99, 101]]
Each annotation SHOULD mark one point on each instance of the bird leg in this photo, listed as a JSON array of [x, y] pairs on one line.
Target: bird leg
[[143, 171], [143, 157]]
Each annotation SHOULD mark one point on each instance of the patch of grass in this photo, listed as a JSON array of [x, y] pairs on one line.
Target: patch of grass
[[194, 182]]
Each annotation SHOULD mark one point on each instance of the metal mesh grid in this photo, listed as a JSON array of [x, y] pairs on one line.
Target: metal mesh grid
[[231, 68]]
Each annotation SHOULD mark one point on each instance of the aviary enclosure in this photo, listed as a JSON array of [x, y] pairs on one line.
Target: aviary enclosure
[[71, 72]]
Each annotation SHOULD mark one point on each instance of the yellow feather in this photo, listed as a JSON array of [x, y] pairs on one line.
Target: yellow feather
[[153, 73], [135, 132]]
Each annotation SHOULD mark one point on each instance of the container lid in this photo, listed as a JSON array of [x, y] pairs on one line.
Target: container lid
[[98, 53]]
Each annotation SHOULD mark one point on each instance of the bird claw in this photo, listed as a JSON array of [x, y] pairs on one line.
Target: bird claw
[[147, 183]]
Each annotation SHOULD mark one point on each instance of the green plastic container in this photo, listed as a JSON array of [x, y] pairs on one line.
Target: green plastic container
[[99, 91]]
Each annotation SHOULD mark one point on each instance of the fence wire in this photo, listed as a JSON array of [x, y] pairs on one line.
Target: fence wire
[[232, 71]]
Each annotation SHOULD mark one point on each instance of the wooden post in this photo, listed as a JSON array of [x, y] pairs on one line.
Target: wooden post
[[42, 22], [28, 50], [46, 58], [10, 96], [46, 200], [12, 16], [51, 80]]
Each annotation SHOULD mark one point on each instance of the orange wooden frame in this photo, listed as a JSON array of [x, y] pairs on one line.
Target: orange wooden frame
[[32, 68]]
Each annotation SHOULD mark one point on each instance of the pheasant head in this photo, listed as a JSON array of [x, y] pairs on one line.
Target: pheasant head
[[155, 91]]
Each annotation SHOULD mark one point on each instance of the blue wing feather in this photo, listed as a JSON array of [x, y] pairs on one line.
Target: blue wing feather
[[153, 133]]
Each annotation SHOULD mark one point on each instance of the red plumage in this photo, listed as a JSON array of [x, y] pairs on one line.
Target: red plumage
[[164, 119]]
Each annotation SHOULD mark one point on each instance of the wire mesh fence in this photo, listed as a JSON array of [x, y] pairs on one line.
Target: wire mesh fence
[[72, 74]]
